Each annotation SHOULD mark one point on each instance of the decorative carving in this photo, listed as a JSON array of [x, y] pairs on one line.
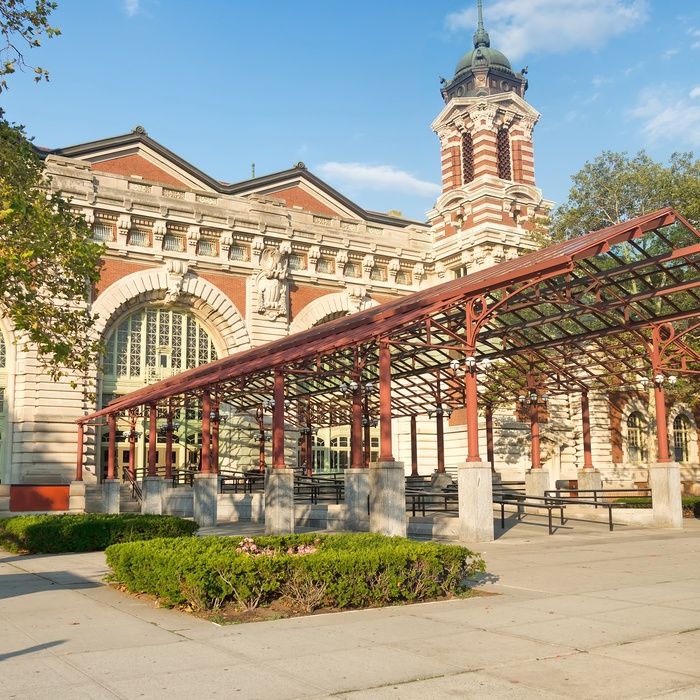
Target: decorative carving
[[357, 298], [193, 235], [368, 263], [418, 272], [480, 253], [272, 298], [497, 253], [160, 228], [314, 255], [467, 258], [440, 269], [258, 247], [341, 260], [394, 267], [89, 216], [512, 253], [124, 224], [176, 269]]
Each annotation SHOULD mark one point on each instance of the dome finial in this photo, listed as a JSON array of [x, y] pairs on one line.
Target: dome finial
[[481, 38]]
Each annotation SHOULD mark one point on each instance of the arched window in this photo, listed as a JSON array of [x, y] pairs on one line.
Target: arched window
[[503, 150], [681, 438], [153, 344], [636, 438], [467, 159]]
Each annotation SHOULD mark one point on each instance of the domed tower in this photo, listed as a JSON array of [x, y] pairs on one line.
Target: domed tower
[[489, 199]]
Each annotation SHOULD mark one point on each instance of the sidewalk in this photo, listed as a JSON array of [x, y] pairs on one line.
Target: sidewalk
[[585, 613]]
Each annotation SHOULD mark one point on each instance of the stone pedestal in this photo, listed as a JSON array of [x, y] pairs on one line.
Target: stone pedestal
[[356, 495], [665, 484], [152, 490], [5, 499], [536, 482], [76, 497], [205, 492], [279, 502], [589, 480], [110, 495], [475, 488], [387, 498]]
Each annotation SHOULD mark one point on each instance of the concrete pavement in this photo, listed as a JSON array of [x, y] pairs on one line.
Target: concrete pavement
[[585, 613]]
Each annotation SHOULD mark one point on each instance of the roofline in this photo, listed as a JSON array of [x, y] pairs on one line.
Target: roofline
[[238, 188]]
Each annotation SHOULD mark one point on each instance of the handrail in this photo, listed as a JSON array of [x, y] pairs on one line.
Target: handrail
[[131, 481]]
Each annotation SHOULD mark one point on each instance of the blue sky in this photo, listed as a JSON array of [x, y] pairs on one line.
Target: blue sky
[[351, 88]]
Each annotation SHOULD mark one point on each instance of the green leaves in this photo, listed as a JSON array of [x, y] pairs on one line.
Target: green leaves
[[22, 26], [614, 188], [48, 261]]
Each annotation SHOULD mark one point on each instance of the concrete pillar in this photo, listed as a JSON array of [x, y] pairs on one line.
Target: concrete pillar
[[206, 489], [537, 481], [387, 498], [665, 484], [475, 502], [76, 497], [356, 494], [588, 480], [5, 498], [152, 491], [110, 495], [279, 501]]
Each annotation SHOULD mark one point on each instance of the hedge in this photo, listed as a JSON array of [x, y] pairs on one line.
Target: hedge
[[309, 570], [690, 504], [51, 534]]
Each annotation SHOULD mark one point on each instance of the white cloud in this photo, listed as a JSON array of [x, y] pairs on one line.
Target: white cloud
[[669, 116], [695, 45], [377, 177], [669, 54], [519, 27], [131, 7]]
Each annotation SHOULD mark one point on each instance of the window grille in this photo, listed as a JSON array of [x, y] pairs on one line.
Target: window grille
[[467, 159], [173, 244], [297, 262], [103, 232], [240, 253], [681, 438], [503, 148], [3, 352], [403, 277], [139, 238], [326, 266], [378, 274], [352, 270], [207, 248]]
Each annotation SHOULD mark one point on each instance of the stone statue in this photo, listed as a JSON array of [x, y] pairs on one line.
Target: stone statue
[[272, 299]]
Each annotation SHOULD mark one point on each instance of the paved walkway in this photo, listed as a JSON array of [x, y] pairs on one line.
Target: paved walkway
[[582, 614]]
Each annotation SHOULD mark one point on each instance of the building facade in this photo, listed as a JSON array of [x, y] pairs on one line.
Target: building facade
[[195, 269]]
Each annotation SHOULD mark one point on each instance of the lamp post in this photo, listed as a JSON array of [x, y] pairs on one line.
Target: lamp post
[[534, 399]]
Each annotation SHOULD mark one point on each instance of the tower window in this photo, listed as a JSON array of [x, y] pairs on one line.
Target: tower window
[[503, 150], [467, 159]]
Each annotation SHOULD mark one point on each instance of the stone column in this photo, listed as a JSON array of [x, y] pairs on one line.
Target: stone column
[[475, 502], [152, 491], [665, 484], [356, 495], [279, 501], [589, 480], [110, 495], [206, 489], [387, 498]]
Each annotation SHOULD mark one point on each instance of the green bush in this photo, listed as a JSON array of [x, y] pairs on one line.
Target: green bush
[[343, 571], [51, 534], [690, 504]]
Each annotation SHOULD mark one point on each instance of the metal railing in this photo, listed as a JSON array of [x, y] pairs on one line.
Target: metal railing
[[134, 485]]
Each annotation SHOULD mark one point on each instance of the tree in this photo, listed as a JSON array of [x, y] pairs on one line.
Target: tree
[[22, 28], [614, 188], [48, 262]]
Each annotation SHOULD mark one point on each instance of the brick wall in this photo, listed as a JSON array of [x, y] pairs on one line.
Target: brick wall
[[136, 165], [296, 197], [114, 270], [233, 287]]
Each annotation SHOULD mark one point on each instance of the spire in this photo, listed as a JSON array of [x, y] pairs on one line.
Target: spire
[[481, 38]]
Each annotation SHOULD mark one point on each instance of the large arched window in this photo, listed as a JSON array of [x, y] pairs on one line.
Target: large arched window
[[636, 438], [153, 344], [681, 438]]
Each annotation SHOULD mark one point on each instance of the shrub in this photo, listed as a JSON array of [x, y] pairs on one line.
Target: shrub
[[51, 534], [347, 570], [690, 504]]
